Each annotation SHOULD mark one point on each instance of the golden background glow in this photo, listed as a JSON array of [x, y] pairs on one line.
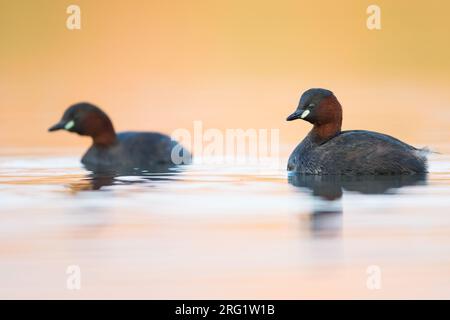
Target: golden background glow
[[160, 65]]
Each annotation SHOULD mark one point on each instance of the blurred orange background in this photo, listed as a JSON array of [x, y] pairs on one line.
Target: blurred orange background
[[160, 65]]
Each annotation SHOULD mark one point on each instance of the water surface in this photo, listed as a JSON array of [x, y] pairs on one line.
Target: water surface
[[217, 231]]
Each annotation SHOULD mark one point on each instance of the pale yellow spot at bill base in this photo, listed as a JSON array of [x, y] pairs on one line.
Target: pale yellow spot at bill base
[[305, 114], [69, 125]]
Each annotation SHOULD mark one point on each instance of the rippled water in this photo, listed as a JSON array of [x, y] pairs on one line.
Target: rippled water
[[212, 231]]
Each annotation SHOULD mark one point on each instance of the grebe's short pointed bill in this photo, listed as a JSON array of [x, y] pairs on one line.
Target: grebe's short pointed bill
[[298, 114], [60, 125], [293, 116], [67, 125]]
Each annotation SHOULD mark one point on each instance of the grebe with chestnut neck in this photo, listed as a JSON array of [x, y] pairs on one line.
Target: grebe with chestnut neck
[[328, 150], [111, 151]]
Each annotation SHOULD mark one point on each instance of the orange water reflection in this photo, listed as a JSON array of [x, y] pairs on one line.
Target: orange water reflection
[[211, 232]]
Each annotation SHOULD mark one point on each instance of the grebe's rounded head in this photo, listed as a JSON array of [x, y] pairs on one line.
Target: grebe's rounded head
[[85, 119], [317, 106]]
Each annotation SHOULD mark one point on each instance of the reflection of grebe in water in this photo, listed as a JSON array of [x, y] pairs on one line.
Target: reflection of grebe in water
[[101, 179], [327, 190]]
